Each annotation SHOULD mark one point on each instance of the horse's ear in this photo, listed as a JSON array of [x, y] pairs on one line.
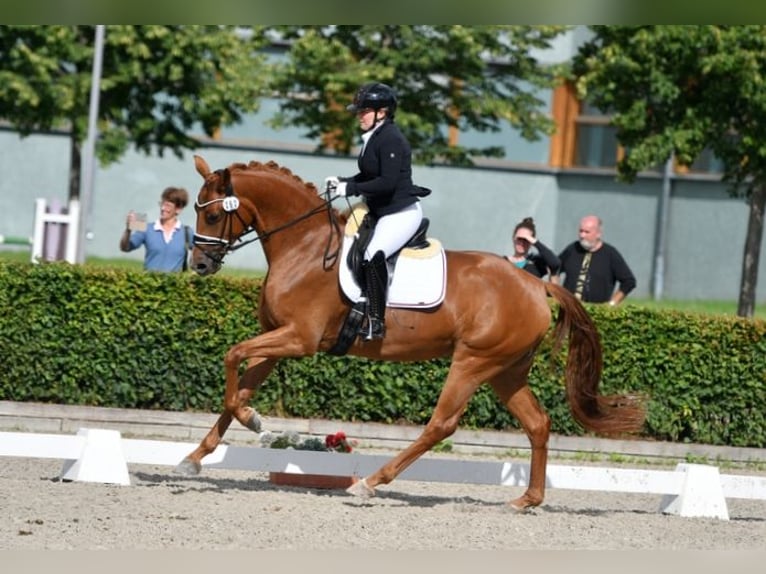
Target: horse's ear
[[226, 181], [202, 167]]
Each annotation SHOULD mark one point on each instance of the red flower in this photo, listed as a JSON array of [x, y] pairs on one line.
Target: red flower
[[337, 442]]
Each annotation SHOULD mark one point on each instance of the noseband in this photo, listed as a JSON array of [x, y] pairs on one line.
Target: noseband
[[231, 209]]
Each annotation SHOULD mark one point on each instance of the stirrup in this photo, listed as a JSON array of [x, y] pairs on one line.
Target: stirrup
[[376, 329]]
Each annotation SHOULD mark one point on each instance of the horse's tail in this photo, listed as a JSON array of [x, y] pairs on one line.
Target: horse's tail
[[601, 414]]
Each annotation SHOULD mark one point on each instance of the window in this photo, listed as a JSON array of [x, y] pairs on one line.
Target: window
[[595, 144], [707, 162], [585, 138]]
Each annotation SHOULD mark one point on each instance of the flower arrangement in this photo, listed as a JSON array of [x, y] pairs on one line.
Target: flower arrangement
[[337, 442]]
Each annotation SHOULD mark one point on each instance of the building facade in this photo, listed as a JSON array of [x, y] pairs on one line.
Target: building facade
[[681, 232]]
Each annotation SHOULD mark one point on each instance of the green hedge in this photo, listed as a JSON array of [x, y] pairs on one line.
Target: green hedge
[[76, 335]]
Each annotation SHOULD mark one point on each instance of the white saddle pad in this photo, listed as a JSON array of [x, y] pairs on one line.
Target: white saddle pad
[[419, 279]]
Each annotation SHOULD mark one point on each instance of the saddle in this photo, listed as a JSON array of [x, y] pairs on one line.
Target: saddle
[[418, 279], [364, 232]]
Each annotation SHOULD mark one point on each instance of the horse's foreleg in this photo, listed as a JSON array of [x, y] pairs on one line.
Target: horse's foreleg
[[537, 425], [238, 392], [238, 395], [262, 352], [192, 463], [449, 408]]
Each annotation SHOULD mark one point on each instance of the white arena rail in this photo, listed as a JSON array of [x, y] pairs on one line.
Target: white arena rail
[[99, 455]]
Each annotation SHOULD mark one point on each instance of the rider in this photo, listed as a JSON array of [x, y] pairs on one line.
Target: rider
[[385, 182]]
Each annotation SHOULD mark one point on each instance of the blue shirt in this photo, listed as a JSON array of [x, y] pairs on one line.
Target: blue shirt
[[161, 255]]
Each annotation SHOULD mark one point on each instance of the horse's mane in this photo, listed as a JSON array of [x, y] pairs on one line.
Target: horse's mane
[[271, 166], [274, 167]]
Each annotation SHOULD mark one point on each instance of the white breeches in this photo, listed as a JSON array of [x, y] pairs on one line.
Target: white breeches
[[393, 231]]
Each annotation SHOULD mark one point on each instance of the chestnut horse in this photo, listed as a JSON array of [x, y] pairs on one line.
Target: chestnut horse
[[491, 321]]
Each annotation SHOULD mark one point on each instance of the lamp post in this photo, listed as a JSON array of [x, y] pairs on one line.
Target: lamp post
[[89, 163]]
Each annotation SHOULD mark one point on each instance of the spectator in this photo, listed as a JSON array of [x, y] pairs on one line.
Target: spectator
[[167, 241], [539, 262], [592, 268]]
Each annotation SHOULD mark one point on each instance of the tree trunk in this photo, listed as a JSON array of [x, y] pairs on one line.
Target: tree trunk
[[75, 167], [746, 307]]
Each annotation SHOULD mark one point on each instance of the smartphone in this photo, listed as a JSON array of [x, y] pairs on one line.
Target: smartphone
[[139, 223]]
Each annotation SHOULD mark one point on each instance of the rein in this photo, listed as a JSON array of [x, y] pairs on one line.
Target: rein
[[231, 208]]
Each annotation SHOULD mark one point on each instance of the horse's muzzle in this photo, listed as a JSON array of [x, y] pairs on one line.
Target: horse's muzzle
[[203, 263]]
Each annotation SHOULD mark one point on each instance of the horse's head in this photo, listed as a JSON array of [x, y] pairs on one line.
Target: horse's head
[[261, 198], [219, 221]]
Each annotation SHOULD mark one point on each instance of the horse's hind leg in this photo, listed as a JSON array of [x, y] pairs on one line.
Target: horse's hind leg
[[515, 394], [236, 398], [459, 387]]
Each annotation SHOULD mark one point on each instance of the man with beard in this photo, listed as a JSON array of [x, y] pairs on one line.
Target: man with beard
[[593, 268]]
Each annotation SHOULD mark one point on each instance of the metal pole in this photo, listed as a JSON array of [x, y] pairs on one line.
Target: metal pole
[[659, 260], [89, 163]]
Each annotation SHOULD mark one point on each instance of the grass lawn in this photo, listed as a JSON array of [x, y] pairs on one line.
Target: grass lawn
[[710, 307]]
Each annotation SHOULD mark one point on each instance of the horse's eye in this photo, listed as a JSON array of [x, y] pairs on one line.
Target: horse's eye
[[212, 218]]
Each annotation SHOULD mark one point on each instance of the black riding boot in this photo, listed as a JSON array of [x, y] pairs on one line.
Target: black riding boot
[[376, 277]]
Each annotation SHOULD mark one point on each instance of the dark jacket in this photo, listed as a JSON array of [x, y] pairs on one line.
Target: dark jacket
[[607, 269], [385, 172], [541, 263]]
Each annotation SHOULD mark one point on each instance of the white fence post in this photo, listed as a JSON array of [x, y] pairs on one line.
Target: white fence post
[[38, 236], [71, 220]]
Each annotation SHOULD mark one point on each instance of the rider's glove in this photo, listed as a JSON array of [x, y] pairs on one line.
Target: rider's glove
[[331, 184]]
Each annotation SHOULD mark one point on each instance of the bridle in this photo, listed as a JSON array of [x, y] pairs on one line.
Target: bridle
[[231, 204]]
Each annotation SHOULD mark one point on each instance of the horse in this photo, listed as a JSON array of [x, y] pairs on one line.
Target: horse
[[491, 321]]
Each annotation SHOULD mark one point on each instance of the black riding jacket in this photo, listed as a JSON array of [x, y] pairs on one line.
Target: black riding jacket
[[385, 172]]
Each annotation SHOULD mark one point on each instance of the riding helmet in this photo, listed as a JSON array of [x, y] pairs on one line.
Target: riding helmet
[[374, 96]]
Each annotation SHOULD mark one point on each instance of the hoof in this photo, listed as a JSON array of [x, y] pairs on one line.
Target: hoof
[[516, 508], [254, 424], [522, 504], [188, 467], [361, 490]]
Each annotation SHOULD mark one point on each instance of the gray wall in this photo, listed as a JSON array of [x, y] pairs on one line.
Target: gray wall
[[473, 208], [628, 212], [705, 232]]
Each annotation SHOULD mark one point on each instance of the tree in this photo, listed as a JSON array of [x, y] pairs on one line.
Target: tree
[[158, 82], [446, 78], [675, 90]]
